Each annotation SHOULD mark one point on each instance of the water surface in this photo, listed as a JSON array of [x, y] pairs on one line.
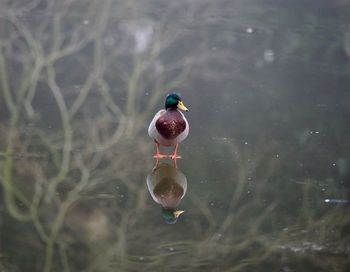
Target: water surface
[[266, 160]]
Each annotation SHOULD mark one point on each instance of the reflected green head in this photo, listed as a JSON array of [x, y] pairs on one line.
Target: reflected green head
[[170, 215]]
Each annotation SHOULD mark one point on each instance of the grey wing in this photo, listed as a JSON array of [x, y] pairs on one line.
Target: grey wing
[[184, 134], [152, 131]]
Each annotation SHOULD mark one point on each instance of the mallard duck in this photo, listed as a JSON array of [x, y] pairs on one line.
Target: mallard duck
[[169, 126], [167, 186]]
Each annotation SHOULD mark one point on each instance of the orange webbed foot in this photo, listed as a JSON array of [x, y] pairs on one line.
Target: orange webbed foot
[[160, 156], [175, 156]]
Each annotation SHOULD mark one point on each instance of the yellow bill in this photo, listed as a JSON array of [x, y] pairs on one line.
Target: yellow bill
[[177, 213], [181, 106]]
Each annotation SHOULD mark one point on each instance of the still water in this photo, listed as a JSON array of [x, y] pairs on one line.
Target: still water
[[264, 176]]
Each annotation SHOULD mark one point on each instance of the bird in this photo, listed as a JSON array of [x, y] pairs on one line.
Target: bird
[[169, 126], [167, 185]]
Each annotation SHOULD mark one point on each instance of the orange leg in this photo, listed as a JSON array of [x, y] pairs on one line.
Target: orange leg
[[158, 155], [175, 163], [155, 166], [174, 156]]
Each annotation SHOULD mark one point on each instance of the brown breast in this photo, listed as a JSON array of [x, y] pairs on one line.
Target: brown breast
[[171, 124]]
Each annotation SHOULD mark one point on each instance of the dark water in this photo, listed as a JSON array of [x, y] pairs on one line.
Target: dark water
[[266, 161]]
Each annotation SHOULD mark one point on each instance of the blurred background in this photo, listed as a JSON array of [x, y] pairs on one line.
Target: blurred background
[[267, 157]]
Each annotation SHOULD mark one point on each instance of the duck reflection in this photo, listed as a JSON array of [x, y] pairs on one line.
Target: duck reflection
[[167, 186]]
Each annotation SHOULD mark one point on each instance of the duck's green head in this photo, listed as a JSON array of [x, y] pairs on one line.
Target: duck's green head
[[170, 216], [173, 101]]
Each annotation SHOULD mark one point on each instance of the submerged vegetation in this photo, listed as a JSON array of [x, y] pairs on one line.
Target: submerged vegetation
[[79, 82]]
